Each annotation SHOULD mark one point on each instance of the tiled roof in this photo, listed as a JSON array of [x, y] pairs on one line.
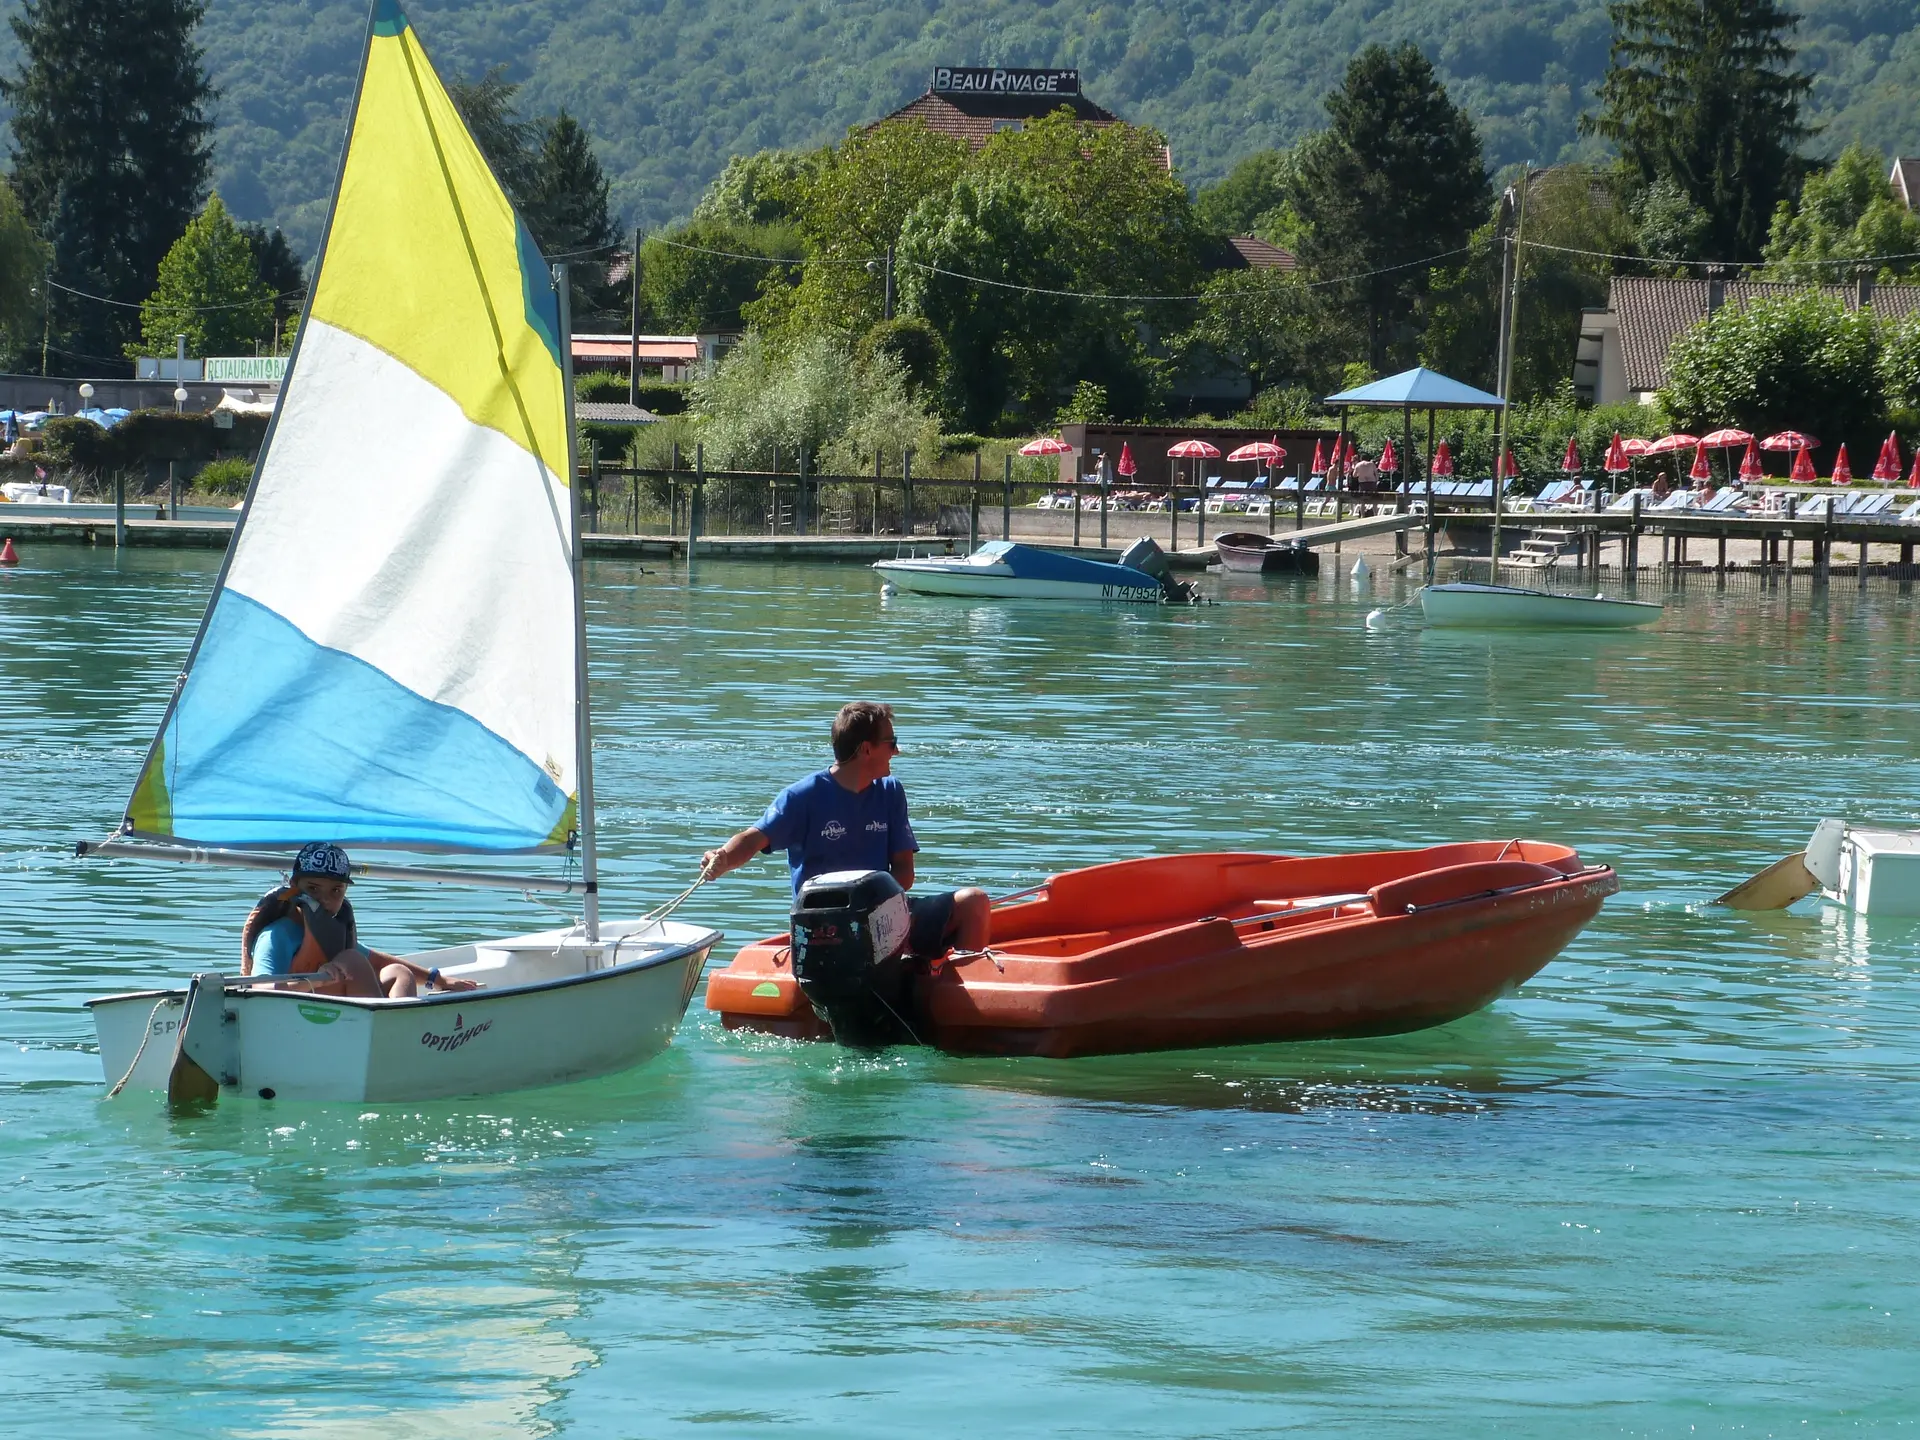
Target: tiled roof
[[612, 412], [1249, 252], [1653, 312], [1906, 181], [974, 118]]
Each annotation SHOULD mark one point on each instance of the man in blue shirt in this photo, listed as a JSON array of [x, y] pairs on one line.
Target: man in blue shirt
[[853, 816]]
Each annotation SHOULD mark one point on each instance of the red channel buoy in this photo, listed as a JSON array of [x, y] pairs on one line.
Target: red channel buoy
[[9, 555]]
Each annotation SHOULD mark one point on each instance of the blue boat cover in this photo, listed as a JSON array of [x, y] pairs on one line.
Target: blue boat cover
[[1029, 563]]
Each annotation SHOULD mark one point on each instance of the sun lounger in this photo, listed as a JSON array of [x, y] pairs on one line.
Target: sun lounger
[[1875, 505], [1910, 515]]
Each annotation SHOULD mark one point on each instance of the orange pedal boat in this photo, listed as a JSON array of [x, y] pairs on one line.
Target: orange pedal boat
[[1233, 949]]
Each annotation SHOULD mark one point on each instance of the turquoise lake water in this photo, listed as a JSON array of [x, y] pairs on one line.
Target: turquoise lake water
[[1668, 1188]]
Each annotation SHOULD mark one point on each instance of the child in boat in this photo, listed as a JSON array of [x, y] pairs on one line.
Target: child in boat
[[853, 816], [306, 932]]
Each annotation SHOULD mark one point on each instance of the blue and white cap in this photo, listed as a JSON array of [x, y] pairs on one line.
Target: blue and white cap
[[320, 858]]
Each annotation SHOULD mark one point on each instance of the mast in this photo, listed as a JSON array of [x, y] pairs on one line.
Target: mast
[[589, 857], [1509, 322]]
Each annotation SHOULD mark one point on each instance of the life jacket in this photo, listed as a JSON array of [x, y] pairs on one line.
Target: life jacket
[[323, 936]]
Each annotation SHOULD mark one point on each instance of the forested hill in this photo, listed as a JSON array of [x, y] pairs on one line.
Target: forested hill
[[670, 89]]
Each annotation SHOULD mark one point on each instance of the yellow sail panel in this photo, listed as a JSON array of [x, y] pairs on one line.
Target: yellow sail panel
[[426, 260]]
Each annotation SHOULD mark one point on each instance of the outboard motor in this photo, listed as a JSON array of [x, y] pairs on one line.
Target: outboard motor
[[1145, 556], [849, 937]]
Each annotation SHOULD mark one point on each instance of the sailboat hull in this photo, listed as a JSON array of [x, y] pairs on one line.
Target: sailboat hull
[[553, 1009]]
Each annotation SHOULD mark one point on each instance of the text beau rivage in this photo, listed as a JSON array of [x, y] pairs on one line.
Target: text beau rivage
[[395, 653]]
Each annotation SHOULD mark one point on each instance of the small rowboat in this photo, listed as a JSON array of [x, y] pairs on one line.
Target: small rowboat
[[1500, 606], [1248, 550], [1006, 570], [1223, 949]]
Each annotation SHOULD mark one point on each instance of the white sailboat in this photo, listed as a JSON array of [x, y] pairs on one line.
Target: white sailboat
[[395, 653]]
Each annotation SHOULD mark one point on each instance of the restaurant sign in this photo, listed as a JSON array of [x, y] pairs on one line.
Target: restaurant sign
[[976, 80], [247, 369]]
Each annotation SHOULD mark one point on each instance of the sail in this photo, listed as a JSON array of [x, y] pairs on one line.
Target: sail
[[390, 656]]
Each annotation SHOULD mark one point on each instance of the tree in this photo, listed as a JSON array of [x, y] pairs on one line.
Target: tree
[[1570, 209], [1396, 180], [1804, 361], [1848, 212], [567, 213], [281, 271], [1001, 337], [509, 141], [1251, 200], [1701, 92], [701, 276], [850, 210], [1671, 227], [1269, 325], [1900, 368], [23, 267], [764, 188], [210, 291], [110, 150]]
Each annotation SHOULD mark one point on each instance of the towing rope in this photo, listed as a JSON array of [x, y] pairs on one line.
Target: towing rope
[[152, 1015]]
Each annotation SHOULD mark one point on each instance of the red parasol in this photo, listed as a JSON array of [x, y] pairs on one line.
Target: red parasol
[[1913, 480], [1570, 462], [1700, 470], [1636, 447], [1790, 440], [1616, 462], [1442, 467], [1259, 450], [1126, 465], [1726, 439], [1319, 466], [1389, 462], [1666, 444], [1750, 463], [1887, 468], [1046, 445], [1511, 469], [1803, 467], [1194, 450], [1842, 471]]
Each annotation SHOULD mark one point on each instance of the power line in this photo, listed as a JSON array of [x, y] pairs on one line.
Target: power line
[[175, 309], [1043, 290], [1854, 261]]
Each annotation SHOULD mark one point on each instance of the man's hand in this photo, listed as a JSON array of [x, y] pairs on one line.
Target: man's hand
[[732, 855]]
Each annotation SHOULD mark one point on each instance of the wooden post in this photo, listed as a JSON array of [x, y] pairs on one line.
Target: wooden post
[[697, 499], [876, 489], [1720, 562], [906, 492], [800, 504], [1173, 506], [1273, 494], [1200, 515], [1633, 542], [1106, 489], [119, 509], [1006, 500], [173, 489], [1300, 499], [1075, 493], [973, 508], [1824, 561], [593, 481]]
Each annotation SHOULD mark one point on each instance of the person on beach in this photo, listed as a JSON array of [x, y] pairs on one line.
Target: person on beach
[[305, 931], [853, 816], [1662, 487]]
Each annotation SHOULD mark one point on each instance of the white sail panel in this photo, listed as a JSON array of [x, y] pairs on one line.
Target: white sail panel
[[439, 552]]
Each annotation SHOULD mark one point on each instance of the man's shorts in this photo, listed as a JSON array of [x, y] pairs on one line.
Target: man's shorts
[[930, 925]]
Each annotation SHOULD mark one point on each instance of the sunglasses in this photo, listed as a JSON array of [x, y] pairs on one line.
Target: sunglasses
[[891, 742]]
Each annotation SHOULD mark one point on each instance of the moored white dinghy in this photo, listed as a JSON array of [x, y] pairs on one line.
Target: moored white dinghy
[[395, 654], [1499, 606]]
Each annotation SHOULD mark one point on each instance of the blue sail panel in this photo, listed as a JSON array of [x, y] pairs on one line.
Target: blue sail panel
[[276, 740]]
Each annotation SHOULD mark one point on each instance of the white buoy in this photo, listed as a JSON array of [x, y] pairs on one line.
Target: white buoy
[[1376, 619], [886, 590], [1362, 572]]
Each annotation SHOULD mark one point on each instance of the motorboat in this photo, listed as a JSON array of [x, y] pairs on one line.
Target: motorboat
[[1867, 870], [1250, 551], [394, 658], [1008, 570], [1197, 950], [1503, 606]]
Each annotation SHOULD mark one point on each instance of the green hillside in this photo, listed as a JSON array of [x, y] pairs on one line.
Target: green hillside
[[670, 89]]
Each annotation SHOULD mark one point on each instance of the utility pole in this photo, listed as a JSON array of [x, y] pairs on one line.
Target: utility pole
[[633, 360], [886, 311], [1509, 320]]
